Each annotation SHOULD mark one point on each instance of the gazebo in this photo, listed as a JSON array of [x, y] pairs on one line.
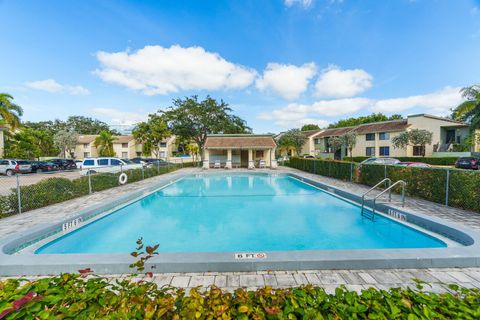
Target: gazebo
[[239, 150]]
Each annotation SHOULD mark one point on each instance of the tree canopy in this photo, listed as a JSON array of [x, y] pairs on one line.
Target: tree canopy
[[66, 140], [292, 139], [9, 111], [355, 121], [104, 144], [79, 124], [192, 119], [415, 137], [307, 127], [150, 133], [469, 110]]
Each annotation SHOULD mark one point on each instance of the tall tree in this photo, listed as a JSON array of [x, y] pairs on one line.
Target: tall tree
[[104, 144], [349, 140], [292, 139], [86, 125], [335, 143], [307, 127], [192, 119], [192, 149], [151, 133], [469, 110], [415, 137], [374, 117], [66, 141], [9, 111], [23, 145]]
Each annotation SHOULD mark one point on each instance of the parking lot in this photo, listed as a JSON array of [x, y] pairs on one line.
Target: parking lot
[[8, 183]]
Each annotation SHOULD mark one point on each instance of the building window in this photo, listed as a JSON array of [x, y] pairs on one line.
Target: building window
[[370, 151], [163, 144], [86, 154], [384, 151], [85, 145], [259, 154], [124, 155], [316, 141], [384, 136], [125, 145], [418, 150], [370, 136], [139, 154]]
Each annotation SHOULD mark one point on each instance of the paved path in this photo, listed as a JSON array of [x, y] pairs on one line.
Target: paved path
[[329, 279]]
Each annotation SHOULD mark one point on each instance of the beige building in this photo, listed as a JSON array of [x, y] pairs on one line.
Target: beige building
[[375, 139], [308, 147], [125, 147], [239, 150]]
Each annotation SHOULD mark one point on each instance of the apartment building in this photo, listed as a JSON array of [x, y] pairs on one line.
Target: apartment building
[[125, 147], [375, 139]]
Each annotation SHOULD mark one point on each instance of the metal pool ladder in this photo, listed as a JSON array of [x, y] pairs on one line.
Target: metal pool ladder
[[390, 186]]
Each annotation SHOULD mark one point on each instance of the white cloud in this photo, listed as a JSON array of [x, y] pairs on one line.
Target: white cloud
[[303, 3], [438, 102], [288, 81], [158, 70], [53, 86], [336, 83], [116, 116]]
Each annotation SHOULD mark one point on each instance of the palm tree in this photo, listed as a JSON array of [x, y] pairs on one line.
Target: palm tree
[[469, 110], [104, 144], [9, 111]]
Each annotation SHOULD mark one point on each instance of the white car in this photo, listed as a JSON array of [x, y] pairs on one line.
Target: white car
[[104, 164]]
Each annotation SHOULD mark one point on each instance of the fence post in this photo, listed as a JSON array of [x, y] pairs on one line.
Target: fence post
[[89, 182], [19, 198], [351, 171], [158, 166], [447, 186], [143, 173], [315, 166]]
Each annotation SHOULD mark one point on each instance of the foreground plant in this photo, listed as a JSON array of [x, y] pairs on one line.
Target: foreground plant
[[71, 296]]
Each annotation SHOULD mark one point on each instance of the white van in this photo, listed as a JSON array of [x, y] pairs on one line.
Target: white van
[[105, 164]]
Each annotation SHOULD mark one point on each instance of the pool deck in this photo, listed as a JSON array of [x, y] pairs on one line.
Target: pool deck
[[352, 279]]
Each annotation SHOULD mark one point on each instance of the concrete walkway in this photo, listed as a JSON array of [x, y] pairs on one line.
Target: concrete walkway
[[330, 279]]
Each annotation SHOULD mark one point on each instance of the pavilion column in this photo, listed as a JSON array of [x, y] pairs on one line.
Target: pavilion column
[[251, 163], [273, 161], [228, 165], [206, 159]]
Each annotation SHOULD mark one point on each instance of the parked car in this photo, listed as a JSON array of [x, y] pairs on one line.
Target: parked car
[[43, 166], [141, 161], [384, 161], [307, 156], [64, 164], [105, 164], [414, 164], [10, 167], [78, 163], [152, 162], [472, 163]]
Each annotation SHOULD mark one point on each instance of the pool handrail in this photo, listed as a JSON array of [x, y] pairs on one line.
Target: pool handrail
[[389, 182]]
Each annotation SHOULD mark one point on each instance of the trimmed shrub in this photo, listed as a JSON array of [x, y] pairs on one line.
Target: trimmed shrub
[[70, 296]]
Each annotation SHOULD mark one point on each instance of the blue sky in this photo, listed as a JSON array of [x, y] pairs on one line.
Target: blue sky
[[279, 64]]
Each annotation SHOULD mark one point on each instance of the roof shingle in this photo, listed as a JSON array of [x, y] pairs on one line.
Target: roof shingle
[[239, 141]]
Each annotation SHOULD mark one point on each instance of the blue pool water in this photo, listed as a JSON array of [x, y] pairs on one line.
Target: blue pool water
[[239, 212]]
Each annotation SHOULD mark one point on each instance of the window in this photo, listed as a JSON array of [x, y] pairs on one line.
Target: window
[[103, 162], [384, 151], [163, 144], [370, 136], [88, 162], [125, 145], [86, 154], [259, 154], [316, 141], [4, 163], [85, 145], [384, 136], [370, 151], [115, 162], [139, 154], [418, 150], [124, 155]]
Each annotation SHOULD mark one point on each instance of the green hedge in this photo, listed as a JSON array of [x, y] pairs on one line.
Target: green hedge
[[425, 183], [70, 296], [438, 161], [55, 190]]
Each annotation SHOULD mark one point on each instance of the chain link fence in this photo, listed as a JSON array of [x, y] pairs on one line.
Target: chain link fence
[[452, 187], [24, 192]]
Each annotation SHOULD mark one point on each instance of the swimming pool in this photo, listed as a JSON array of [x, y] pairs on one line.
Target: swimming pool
[[237, 213]]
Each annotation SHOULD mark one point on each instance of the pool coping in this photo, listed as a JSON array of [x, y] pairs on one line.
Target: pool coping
[[460, 256]]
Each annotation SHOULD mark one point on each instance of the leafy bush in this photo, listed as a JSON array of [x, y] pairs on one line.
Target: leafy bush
[[438, 161], [426, 183], [75, 297]]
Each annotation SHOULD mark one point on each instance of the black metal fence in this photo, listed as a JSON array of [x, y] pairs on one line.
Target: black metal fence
[[452, 187]]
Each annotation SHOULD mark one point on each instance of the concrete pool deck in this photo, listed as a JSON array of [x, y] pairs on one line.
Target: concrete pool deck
[[19, 224]]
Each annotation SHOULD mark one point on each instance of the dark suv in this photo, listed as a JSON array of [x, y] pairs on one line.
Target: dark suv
[[472, 163], [64, 164]]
